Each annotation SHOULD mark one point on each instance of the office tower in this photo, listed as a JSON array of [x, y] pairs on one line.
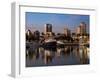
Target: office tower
[[48, 29], [81, 29], [67, 32]]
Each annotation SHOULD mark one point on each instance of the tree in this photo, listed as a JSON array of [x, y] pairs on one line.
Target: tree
[[42, 33], [53, 33]]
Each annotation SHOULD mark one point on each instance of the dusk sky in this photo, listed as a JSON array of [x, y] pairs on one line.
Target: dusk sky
[[36, 21]]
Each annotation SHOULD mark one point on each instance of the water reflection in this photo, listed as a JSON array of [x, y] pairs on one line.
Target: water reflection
[[69, 55]]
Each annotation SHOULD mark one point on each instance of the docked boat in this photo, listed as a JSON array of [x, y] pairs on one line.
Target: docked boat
[[50, 43], [60, 44]]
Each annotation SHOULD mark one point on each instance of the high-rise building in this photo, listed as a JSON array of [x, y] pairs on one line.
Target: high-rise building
[[48, 29], [67, 32], [78, 30], [81, 29]]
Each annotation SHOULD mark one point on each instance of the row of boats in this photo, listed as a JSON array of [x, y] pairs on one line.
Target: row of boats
[[53, 42]]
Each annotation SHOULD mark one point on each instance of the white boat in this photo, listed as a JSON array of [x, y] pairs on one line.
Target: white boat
[[50, 42], [60, 42]]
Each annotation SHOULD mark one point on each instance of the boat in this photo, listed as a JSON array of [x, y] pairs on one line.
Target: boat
[[50, 43], [60, 44]]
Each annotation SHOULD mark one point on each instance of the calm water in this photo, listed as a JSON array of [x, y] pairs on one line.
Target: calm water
[[68, 55]]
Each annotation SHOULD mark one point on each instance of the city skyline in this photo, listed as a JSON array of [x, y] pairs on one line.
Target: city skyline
[[37, 21]]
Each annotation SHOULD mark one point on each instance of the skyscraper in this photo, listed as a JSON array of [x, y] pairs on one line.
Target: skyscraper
[[81, 29], [67, 32], [48, 29]]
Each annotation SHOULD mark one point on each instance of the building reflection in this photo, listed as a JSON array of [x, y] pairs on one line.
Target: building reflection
[[82, 54], [49, 56]]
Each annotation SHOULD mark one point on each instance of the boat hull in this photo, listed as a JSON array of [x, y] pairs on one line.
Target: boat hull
[[50, 44]]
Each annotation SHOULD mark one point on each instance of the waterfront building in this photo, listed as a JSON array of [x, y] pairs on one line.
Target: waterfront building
[[29, 35], [28, 32], [36, 35]]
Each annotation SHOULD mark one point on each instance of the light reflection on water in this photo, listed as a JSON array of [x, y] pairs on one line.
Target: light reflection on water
[[69, 55]]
